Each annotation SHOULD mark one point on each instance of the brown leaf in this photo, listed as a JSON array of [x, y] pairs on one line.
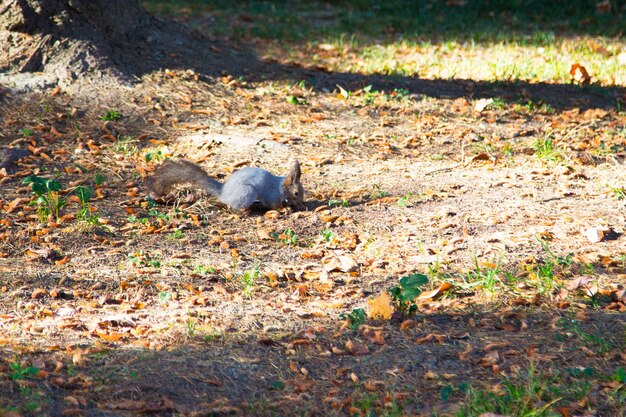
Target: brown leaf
[[15, 204], [128, 405], [302, 385], [407, 324], [490, 359], [495, 345], [372, 385], [357, 349], [374, 336], [38, 293], [343, 263], [582, 281], [264, 234]]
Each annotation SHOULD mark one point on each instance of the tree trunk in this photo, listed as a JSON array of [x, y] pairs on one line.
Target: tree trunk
[[55, 42]]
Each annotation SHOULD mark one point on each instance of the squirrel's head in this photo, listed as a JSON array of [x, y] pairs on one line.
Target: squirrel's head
[[294, 192]]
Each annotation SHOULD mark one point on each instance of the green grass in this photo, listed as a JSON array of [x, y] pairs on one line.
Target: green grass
[[498, 40], [485, 276], [547, 150], [529, 21], [249, 278], [529, 395]]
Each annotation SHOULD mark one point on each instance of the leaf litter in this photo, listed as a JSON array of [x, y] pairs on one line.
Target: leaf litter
[[191, 309]]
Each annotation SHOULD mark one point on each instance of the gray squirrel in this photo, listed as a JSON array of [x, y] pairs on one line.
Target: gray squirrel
[[243, 189]]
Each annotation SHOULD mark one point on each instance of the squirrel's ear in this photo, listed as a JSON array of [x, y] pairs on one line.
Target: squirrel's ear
[[294, 174]]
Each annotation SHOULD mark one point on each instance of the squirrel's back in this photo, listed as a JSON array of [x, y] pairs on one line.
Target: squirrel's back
[[252, 185]]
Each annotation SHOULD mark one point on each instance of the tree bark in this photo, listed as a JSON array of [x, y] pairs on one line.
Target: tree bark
[[64, 40]]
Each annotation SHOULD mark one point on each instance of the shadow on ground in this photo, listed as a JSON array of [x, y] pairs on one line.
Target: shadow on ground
[[231, 373]]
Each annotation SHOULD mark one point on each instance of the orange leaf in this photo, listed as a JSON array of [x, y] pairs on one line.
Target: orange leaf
[[62, 261], [357, 349], [380, 307], [111, 337], [374, 336], [445, 286], [16, 203], [579, 74]]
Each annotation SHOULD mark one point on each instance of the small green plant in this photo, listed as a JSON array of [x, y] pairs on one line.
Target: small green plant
[[327, 236], [141, 220], [356, 318], [404, 201], [544, 274], [288, 237], [177, 234], [99, 179], [86, 214], [339, 203], [618, 192], [249, 279], [212, 336], [485, 277], [141, 259], [572, 328], [531, 395], [619, 375], [405, 293], [165, 296], [156, 155], [204, 270], [507, 151], [47, 191], [19, 372], [547, 151], [111, 115], [369, 95], [127, 146], [297, 101], [377, 192], [191, 326], [27, 132], [400, 94]]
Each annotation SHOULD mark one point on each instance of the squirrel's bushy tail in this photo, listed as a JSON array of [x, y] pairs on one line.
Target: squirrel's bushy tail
[[173, 173]]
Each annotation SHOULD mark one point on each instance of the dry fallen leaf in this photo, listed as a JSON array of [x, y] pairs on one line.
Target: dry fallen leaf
[[490, 359], [582, 281], [595, 234], [380, 307], [579, 74], [264, 234], [357, 349], [445, 286], [482, 104], [343, 263], [374, 336]]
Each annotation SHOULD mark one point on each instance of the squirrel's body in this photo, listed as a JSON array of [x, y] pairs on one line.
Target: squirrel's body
[[242, 190]]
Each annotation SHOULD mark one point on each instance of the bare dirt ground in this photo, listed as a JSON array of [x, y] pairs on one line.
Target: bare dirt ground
[[193, 310]]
